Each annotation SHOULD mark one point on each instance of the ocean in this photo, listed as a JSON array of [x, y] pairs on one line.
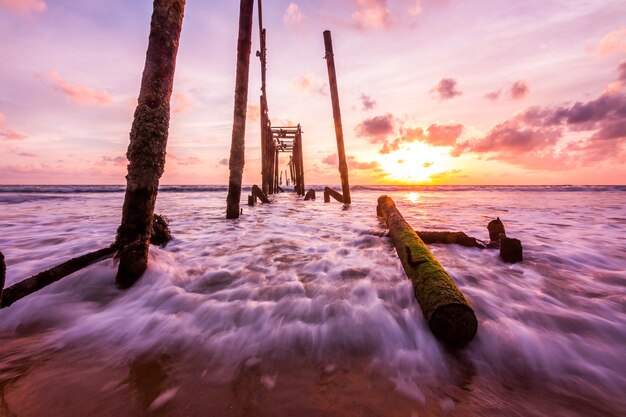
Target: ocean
[[303, 308]]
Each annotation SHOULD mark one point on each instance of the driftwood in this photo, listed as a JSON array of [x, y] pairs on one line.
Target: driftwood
[[160, 236], [148, 140], [3, 274], [449, 315], [329, 192], [237, 147], [458, 238], [49, 276], [334, 94], [310, 195], [258, 193]]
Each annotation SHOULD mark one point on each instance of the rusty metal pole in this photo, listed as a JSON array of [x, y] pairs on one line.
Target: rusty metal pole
[[237, 147], [334, 94], [148, 140]]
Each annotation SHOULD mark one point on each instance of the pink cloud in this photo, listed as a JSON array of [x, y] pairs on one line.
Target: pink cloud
[[293, 16], [115, 161], [181, 103], [190, 160], [376, 129], [367, 102], [9, 134], [333, 160], [24, 7], [519, 90], [77, 93], [533, 138], [493, 95], [371, 14], [443, 135], [446, 89], [310, 84], [28, 154], [253, 114], [612, 43]]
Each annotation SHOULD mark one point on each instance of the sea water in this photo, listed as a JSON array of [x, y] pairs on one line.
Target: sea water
[[303, 308]]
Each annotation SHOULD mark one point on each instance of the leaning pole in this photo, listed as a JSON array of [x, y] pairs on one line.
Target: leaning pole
[[148, 140], [237, 147], [334, 94]]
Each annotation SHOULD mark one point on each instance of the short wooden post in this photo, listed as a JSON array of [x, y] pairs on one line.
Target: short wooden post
[[329, 192], [310, 195], [237, 147], [148, 140], [334, 94]]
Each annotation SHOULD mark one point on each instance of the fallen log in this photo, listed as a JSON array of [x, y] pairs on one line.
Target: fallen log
[[458, 238], [258, 193], [449, 315], [49, 276], [310, 195], [3, 274], [329, 192]]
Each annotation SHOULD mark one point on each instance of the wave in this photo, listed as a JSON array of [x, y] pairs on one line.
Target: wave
[[82, 189]]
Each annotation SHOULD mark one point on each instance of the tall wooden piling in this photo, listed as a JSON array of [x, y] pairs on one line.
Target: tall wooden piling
[[237, 147], [148, 140], [334, 94], [3, 274]]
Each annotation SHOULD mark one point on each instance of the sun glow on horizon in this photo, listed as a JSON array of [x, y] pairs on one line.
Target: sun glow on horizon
[[416, 163]]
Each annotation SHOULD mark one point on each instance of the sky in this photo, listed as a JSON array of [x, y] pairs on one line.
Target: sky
[[431, 91]]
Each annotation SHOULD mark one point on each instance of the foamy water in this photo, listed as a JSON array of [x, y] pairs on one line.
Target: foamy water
[[315, 283]]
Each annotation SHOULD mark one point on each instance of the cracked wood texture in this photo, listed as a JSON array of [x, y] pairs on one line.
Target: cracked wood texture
[[449, 315], [148, 140]]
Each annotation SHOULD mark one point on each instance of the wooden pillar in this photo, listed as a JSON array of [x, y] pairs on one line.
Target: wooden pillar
[[237, 147], [3, 274], [300, 161], [148, 140], [264, 182], [276, 171], [334, 94]]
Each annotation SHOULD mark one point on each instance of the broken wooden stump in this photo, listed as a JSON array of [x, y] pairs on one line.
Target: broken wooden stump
[[511, 249], [3, 275], [258, 193], [148, 139], [449, 315], [310, 195], [161, 233], [237, 147], [458, 238], [49, 276], [329, 192], [251, 200], [495, 228]]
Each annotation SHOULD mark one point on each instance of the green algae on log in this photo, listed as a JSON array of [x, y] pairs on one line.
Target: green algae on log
[[148, 139], [449, 315], [49, 276]]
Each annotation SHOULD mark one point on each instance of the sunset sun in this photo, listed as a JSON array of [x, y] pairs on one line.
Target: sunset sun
[[416, 163]]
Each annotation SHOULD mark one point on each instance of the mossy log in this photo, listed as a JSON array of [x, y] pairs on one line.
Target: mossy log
[[449, 315], [3, 274], [329, 192], [450, 238], [258, 193], [310, 195], [49, 276]]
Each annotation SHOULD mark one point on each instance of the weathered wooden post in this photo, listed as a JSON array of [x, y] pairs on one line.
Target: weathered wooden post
[[300, 160], [334, 94], [148, 140], [449, 315], [3, 275], [237, 147]]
